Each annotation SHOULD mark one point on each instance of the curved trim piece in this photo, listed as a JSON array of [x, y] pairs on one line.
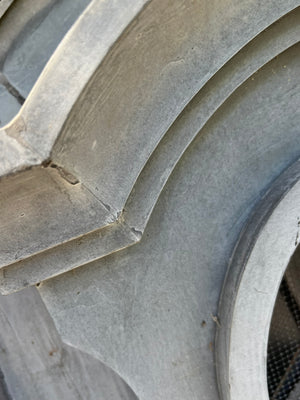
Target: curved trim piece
[[114, 127], [256, 269], [261, 50], [66, 74], [156, 172], [130, 225]]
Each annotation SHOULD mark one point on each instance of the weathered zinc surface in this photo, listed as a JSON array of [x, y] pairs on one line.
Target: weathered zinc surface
[[30, 31], [157, 124], [36, 365], [141, 310]]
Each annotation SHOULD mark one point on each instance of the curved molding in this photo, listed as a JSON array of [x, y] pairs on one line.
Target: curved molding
[[114, 127], [275, 40], [120, 230], [246, 305], [63, 79], [17, 154]]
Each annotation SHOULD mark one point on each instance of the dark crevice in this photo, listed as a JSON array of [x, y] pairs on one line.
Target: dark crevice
[[11, 89], [63, 172], [137, 233], [4, 393]]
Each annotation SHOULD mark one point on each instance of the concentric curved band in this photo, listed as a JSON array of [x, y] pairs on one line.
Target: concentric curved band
[[115, 229], [257, 266]]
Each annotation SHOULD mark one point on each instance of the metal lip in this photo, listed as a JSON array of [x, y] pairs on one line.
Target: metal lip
[[257, 266]]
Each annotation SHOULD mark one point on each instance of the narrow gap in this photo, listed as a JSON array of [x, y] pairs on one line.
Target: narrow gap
[[73, 180], [11, 89], [4, 393]]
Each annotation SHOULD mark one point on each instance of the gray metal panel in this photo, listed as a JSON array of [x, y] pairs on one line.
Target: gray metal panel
[[38, 366], [9, 106], [34, 46], [132, 222], [171, 50], [141, 310], [40, 209], [150, 311], [69, 69]]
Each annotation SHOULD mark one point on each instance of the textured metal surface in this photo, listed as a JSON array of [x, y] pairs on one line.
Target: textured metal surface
[[284, 340], [152, 179], [170, 66], [37, 223], [70, 68], [38, 40], [173, 118], [30, 31], [154, 296], [36, 365], [255, 271]]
